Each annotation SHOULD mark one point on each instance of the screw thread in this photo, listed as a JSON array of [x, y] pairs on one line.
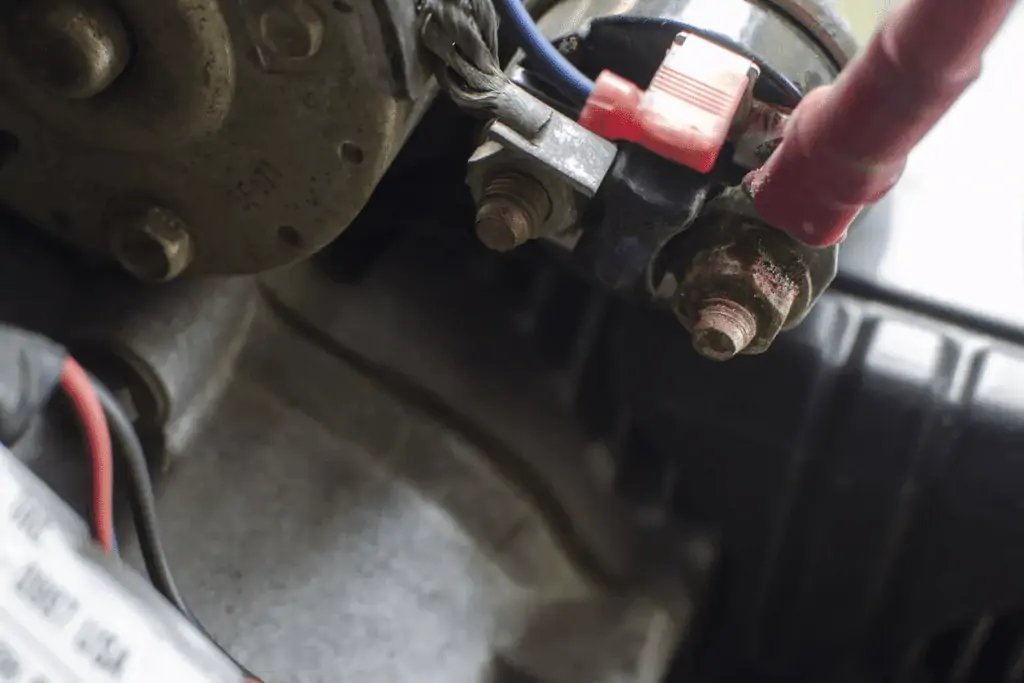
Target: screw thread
[[511, 211], [724, 329]]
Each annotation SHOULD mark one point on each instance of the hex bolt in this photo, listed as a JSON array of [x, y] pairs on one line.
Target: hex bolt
[[723, 329], [153, 244], [75, 48], [512, 210], [291, 29]]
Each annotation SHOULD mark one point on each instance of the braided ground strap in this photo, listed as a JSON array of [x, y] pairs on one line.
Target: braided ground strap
[[463, 36]]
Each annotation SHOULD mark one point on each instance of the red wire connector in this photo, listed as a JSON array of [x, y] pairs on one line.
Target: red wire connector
[[847, 144], [687, 112]]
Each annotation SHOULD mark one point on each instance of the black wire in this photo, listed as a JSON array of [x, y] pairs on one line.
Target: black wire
[[141, 497], [142, 501]]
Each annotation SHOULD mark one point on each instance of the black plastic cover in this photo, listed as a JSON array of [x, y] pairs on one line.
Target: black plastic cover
[[30, 367], [865, 479]]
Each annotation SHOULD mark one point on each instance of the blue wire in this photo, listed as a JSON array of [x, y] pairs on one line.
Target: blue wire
[[549, 61]]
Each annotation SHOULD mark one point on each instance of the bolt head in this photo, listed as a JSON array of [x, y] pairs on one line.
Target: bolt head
[[290, 29], [152, 243], [75, 48]]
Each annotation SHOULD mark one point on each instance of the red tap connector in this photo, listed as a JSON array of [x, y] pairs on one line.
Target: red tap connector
[[687, 112], [847, 144]]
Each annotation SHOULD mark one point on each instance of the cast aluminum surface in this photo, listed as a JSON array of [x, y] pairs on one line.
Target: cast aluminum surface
[[323, 529], [263, 125]]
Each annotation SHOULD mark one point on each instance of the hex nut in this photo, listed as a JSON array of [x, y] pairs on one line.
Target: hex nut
[[491, 160], [512, 210], [291, 30], [76, 48], [152, 243], [754, 274]]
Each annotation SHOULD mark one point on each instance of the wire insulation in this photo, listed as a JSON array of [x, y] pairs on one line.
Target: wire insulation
[[88, 407], [142, 500], [551, 64]]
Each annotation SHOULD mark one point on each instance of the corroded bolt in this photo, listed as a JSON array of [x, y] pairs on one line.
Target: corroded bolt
[[291, 29], [723, 329], [152, 244], [511, 212], [76, 48], [502, 224]]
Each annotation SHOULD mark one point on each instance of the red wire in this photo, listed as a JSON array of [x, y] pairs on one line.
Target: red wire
[[76, 384]]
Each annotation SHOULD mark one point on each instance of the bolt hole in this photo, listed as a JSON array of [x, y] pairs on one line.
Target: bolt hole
[[9, 146], [351, 152], [341, 7], [289, 236], [61, 220], [142, 256]]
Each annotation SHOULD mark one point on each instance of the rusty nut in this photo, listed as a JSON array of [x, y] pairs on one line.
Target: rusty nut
[[290, 30], [738, 295], [511, 211], [552, 209]]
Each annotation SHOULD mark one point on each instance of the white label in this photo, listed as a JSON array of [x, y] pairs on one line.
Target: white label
[[22, 662], [63, 620]]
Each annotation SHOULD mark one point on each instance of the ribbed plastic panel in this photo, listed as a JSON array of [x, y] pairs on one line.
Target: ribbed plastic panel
[[864, 479]]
